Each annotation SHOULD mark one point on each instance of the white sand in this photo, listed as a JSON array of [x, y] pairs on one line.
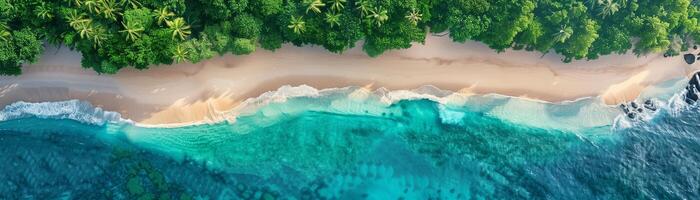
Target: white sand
[[185, 93]]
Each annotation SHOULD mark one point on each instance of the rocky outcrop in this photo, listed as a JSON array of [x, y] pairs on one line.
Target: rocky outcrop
[[633, 109], [689, 58], [691, 94]]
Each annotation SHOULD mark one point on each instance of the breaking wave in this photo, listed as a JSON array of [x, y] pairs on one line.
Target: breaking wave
[[72, 109]]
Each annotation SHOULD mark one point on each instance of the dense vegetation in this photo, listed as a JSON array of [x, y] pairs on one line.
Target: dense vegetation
[[112, 34]]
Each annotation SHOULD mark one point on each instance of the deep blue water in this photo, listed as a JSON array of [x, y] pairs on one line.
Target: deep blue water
[[339, 146]]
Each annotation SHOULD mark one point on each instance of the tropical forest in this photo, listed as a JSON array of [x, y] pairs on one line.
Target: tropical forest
[[114, 34]]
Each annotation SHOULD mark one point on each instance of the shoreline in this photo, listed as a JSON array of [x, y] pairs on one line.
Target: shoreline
[[189, 93]]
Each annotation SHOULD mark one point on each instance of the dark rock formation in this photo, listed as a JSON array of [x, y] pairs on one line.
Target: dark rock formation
[[689, 58], [649, 105], [631, 109], [634, 109], [624, 108], [691, 95]]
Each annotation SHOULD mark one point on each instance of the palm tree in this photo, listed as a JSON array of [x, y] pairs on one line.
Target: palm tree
[[99, 35], [333, 19], [564, 34], [109, 9], [76, 2], [593, 3], [133, 3], [363, 6], [297, 25], [623, 3], [85, 29], [74, 18], [5, 35], [91, 5], [378, 16], [337, 5], [43, 11], [414, 17], [133, 31], [179, 54], [608, 7], [179, 28], [162, 15], [314, 5], [5, 32]]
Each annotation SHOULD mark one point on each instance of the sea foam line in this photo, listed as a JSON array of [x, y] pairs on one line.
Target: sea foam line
[[77, 110], [85, 112]]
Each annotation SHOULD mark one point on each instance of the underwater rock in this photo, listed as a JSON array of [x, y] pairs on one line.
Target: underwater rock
[[392, 186]]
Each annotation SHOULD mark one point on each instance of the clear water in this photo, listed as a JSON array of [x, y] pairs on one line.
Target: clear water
[[354, 144]]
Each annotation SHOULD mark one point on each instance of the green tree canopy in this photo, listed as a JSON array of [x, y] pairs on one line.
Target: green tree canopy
[[113, 34], [246, 26], [21, 47]]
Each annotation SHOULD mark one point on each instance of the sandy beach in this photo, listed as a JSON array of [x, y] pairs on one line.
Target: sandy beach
[[185, 93]]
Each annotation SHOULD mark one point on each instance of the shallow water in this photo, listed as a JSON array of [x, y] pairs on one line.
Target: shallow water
[[354, 144]]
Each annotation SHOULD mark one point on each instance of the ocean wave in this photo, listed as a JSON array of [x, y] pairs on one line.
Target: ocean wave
[[383, 95], [570, 115], [578, 114], [353, 100], [71, 109]]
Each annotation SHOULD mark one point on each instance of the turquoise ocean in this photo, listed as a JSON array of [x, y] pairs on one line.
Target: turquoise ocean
[[351, 143]]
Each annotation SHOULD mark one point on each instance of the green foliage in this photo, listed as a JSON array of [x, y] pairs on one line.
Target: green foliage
[[19, 47], [113, 34], [504, 29], [142, 17], [27, 46], [179, 28], [220, 37], [246, 26], [654, 38], [216, 9], [271, 39], [9, 59], [238, 6], [198, 49], [243, 46], [578, 45], [266, 7], [6, 9]]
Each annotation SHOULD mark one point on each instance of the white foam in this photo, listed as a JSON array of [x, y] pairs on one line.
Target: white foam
[[72, 109], [362, 101], [448, 116], [585, 112]]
